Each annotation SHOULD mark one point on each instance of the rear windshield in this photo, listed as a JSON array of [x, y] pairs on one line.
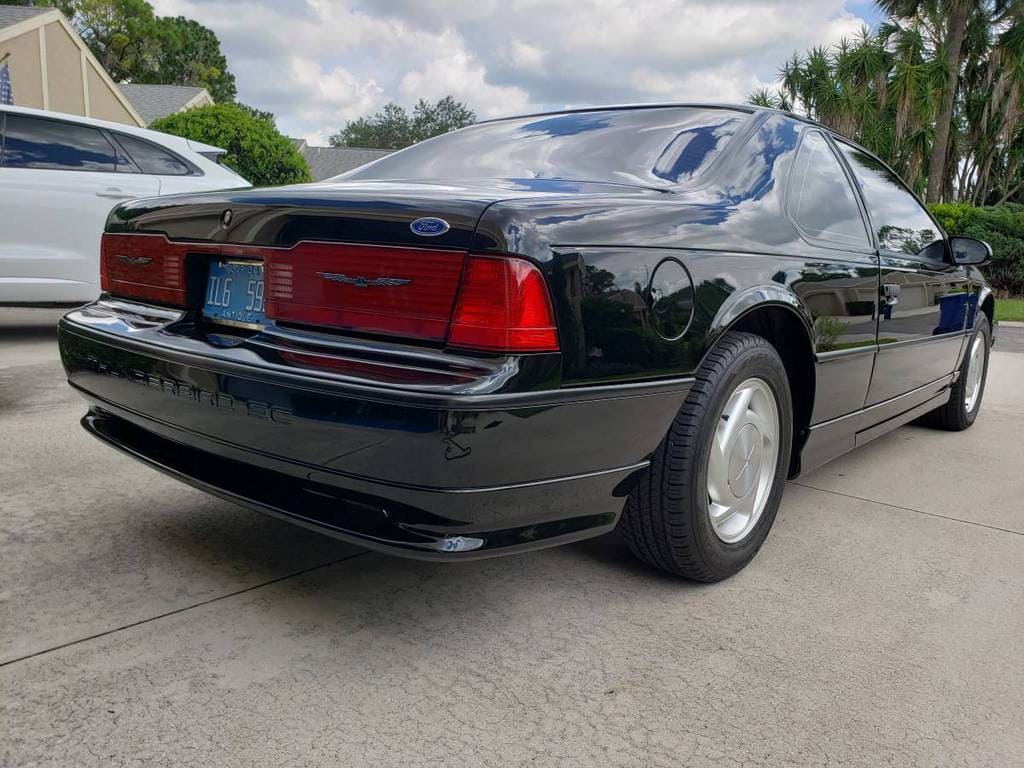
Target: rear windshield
[[650, 147]]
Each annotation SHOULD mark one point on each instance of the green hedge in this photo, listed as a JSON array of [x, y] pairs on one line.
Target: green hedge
[[255, 148], [1002, 227]]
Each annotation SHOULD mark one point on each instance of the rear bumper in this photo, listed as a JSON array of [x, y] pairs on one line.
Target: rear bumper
[[409, 470]]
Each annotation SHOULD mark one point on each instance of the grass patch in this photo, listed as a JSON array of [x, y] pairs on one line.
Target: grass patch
[[1010, 309]]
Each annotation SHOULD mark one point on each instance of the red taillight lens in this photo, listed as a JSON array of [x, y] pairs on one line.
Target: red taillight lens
[[503, 306], [142, 267], [395, 291]]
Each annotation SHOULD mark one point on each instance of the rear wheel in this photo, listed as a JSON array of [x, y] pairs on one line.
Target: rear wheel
[[705, 505], [966, 394]]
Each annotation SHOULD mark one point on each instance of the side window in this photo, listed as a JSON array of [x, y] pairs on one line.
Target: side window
[[151, 158], [819, 198], [33, 143], [901, 223]]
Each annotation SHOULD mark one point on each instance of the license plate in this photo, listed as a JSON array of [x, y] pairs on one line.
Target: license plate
[[234, 294]]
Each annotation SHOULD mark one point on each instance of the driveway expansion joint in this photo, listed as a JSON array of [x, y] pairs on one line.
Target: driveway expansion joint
[[183, 609], [909, 509]]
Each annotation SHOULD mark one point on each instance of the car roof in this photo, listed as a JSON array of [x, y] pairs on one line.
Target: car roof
[[167, 139], [746, 108], [626, 108]]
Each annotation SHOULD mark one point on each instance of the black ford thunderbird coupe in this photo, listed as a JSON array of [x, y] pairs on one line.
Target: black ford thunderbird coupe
[[533, 330]]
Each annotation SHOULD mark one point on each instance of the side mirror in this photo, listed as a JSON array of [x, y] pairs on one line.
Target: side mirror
[[968, 250]]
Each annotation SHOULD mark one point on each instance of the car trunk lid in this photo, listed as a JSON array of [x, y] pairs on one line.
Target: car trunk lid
[[375, 258]]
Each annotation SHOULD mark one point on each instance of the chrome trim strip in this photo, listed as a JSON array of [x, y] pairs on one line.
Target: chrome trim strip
[[920, 340], [315, 342], [148, 311], [834, 354]]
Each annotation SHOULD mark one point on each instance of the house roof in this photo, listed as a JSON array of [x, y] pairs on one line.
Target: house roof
[[325, 162], [13, 14], [155, 101]]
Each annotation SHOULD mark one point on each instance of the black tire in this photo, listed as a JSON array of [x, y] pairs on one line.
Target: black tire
[[954, 415], [665, 522]]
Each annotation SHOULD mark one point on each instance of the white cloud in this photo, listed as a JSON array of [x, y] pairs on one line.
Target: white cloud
[[318, 63], [455, 72], [325, 99], [525, 57], [709, 87]]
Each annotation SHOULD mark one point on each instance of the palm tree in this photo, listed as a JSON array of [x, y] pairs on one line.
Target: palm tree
[[765, 97], [956, 13]]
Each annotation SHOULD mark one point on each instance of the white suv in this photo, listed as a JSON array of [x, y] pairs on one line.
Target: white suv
[[59, 177]]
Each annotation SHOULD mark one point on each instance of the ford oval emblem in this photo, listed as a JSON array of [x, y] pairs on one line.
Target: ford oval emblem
[[429, 226], [225, 220]]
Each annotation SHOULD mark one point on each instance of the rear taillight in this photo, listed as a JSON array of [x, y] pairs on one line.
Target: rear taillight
[[503, 306], [142, 267], [394, 291]]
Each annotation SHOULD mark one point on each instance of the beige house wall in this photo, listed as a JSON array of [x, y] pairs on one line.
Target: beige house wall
[[26, 76], [202, 100], [105, 105], [63, 72], [52, 69]]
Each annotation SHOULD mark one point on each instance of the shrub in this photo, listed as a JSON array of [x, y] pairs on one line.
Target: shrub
[[255, 148], [1002, 227]]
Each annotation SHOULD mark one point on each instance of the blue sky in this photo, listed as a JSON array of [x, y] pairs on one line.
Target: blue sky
[[868, 11], [318, 63]]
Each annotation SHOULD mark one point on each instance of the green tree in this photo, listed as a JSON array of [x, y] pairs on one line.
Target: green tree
[[765, 97], [255, 148], [447, 114], [394, 128], [949, 51], [390, 128], [122, 34], [187, 53], [259, 114]]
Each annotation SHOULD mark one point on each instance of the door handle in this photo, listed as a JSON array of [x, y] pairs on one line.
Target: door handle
[[114, 193], [891, 294]]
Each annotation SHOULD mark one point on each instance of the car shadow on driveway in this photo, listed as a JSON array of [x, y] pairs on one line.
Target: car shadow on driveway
[[242, 545], [27, 333], [30, 323]]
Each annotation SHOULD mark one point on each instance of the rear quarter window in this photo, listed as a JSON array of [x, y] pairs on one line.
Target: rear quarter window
[[819, 197], [153, 159]]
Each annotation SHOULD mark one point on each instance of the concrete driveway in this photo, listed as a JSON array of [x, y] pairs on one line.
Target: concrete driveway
[[145, 623]]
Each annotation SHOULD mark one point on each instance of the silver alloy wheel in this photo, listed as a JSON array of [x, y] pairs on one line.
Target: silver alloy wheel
[[743, 460], [975, 372]]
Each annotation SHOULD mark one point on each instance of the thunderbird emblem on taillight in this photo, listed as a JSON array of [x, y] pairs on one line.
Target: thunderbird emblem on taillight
[[365, 282], [137, 261]]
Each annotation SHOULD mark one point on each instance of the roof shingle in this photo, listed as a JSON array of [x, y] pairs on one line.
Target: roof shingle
[[155, 101], [12, 14], [325, 162]]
